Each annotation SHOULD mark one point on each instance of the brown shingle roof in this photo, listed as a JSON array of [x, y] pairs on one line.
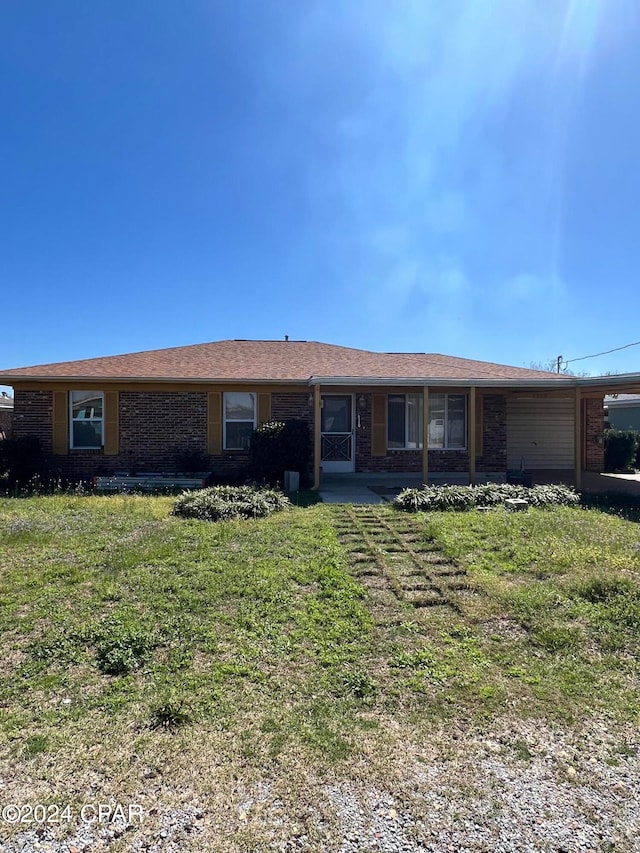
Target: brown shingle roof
[[284, 361]]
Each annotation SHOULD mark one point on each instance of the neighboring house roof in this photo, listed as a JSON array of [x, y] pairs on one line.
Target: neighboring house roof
[[622, 400], [284, 361], [6, 403]]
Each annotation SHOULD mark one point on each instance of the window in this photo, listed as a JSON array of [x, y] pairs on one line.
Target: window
[[87, 422], [404, 421], [448, 421], [239, 419]]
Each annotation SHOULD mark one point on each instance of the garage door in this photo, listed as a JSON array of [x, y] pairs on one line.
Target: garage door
[[541, 432]]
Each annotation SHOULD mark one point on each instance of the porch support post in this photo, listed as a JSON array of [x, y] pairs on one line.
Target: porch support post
[[472, 435], [577, 440], [317, 438], [425, 434]]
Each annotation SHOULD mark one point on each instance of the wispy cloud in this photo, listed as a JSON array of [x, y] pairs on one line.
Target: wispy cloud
[[436, 178]]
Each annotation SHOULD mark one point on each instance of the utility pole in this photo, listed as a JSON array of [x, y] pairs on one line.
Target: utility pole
[[558, 363]]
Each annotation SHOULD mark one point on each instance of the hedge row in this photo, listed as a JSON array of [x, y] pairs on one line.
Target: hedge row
[[438, 498], [222, 503]]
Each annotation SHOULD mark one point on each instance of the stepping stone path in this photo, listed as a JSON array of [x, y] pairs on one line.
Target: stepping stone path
[[393, 560]]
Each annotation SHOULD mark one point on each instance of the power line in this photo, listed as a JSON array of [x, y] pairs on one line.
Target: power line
[[595, 355]]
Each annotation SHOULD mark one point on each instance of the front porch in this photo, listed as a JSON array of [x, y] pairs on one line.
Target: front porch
[[381, 488], [453, 434], [378, 432]]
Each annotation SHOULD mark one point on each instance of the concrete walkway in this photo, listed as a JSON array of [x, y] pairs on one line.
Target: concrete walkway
[[627, 484], [381, 488], [362, 488]]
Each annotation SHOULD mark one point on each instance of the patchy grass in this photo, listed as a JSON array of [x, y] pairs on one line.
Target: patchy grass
[[558, 604], [110, 602], [145, 652]]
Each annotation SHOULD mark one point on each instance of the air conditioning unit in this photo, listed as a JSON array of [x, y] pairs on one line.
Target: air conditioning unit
[[291, 481]]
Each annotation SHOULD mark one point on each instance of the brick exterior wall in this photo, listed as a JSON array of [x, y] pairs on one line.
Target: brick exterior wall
[[33, 414], [287, 407], [156, 426], [494, 433], [594, 429]]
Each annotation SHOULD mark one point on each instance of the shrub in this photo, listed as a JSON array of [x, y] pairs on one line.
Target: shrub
[[279, 446], [23, 461], [620, 449], [438, 498], [221, 503]]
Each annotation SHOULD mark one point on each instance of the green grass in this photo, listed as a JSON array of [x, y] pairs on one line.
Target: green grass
[[561, 588], [113, 602], [128, 632]]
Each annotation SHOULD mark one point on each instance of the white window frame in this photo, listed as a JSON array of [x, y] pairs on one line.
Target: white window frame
[[253, 422], [406, 444], [92, 420], [445, 443]]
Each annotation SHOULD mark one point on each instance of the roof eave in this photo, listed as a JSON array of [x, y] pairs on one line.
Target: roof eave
[[629, 381], [119, 380], [419, 382]]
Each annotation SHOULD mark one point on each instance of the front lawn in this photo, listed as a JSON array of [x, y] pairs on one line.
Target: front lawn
[[185, 664]]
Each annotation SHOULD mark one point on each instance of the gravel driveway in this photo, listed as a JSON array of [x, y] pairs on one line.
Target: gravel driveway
[[518, 789]]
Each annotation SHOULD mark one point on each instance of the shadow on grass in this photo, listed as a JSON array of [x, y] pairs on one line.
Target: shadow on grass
[[304, 498], [613, 503]]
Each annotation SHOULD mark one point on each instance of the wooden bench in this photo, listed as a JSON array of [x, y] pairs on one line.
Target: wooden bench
[[147, 483]]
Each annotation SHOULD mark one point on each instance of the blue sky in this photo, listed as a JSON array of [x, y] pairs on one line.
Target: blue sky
[[458, 177]]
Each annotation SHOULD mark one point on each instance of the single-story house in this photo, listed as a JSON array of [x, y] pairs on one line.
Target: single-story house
[[622, 411], [367, 411]]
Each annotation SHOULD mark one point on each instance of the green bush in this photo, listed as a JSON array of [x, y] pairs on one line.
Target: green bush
[[22, 461], [279, 446], [222, 503], [438, 498], [621, 447]]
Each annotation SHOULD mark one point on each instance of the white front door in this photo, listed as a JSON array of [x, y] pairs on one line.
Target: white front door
[[337, 434]]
